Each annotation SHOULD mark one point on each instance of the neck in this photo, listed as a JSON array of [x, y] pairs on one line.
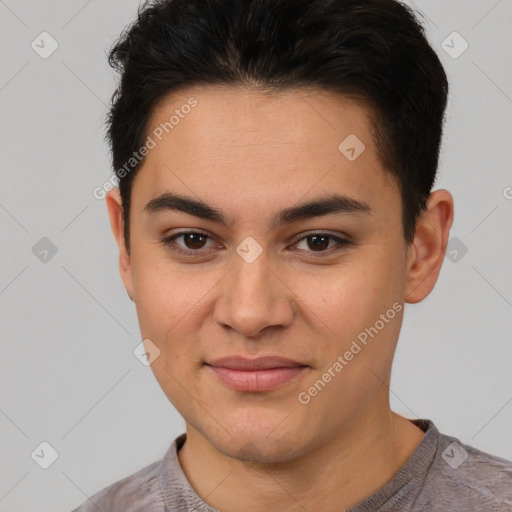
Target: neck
[[360, 459]]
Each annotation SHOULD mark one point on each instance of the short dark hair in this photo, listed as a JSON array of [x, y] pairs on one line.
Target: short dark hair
[[374, 51]]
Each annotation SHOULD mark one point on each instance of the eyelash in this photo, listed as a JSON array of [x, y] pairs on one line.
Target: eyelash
[[169, 243]]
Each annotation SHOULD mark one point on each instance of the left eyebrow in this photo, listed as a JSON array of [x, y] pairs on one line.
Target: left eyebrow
[[334, 204]]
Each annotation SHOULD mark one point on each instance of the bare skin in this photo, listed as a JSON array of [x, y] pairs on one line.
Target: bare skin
[[252, 155]]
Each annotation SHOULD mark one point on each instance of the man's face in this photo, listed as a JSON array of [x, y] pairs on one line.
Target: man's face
[[255, 287]]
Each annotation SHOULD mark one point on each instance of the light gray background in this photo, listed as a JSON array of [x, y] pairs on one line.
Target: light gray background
[[68, 375]]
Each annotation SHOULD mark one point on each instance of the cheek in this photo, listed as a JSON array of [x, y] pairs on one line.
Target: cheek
[[350, 295], [166, 294], [355, 309], [173, 303]]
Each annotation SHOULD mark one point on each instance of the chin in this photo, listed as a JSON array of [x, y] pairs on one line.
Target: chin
[[260, 442], [261, 450], [257, 432]]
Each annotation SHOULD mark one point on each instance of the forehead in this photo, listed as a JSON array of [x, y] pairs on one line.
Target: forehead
[[247, 145], [235, 119]]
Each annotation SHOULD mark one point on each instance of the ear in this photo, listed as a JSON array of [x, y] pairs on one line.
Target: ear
[[115, 212], [426, 253]]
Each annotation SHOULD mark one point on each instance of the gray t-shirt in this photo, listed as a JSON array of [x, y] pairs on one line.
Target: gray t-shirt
[[441, 475]]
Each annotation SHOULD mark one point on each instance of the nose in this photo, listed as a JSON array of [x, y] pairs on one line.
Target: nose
[[254, 297]]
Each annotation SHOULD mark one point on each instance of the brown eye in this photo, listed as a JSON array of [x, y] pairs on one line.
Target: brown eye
[[193, 242], [321, 243], [318, 242]]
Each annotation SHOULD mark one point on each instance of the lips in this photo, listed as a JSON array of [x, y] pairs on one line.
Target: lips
[[256, 375]]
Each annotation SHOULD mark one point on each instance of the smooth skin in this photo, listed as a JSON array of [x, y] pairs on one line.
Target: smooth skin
[[251, 155]]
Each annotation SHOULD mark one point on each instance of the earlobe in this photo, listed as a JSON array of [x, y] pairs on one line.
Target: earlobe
[[426, 254], [115, 212]]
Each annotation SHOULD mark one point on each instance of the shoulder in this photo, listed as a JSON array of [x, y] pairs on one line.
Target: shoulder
[[136, 492], [463, 477]]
